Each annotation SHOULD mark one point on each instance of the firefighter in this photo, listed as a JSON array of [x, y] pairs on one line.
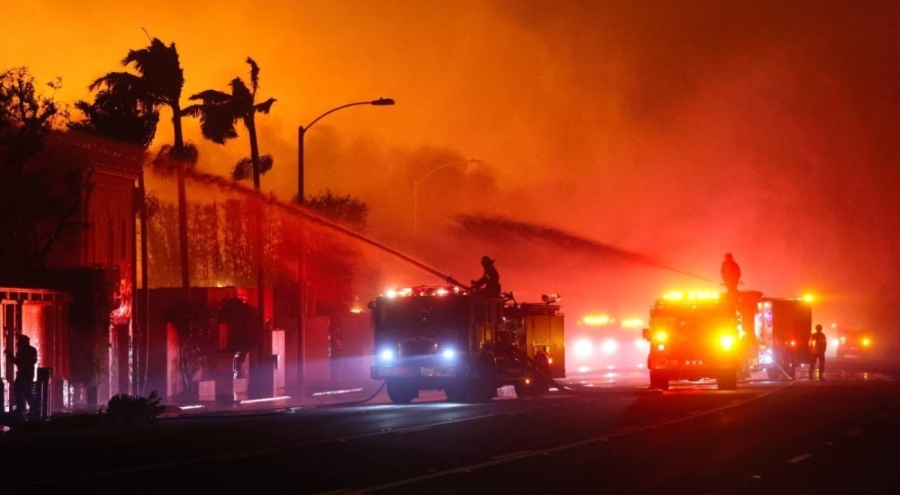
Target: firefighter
[[817, 345], [25, 359], [731, 273], [489, 283]]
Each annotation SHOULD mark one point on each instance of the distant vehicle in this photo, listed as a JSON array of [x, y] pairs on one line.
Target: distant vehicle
[[599, 342], [853, 342]]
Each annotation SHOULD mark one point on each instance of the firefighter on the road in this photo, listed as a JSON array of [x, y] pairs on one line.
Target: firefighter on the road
[[489, 283], [817, 345], [731, 273], [25, 359]]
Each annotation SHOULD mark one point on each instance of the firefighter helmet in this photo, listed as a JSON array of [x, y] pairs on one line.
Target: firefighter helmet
[[818, 327]]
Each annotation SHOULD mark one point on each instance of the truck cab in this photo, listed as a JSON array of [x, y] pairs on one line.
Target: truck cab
[[693, 337]]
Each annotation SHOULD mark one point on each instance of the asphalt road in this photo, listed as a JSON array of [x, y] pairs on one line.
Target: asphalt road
[[797, 437]]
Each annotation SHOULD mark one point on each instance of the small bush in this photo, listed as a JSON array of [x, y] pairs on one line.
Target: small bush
[[132, 409]]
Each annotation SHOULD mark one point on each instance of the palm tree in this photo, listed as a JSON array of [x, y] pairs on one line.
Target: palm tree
[[159, 80], [220, 111]]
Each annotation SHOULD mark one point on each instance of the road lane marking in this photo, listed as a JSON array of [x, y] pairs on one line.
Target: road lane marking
[[504, 459], [799, 458]]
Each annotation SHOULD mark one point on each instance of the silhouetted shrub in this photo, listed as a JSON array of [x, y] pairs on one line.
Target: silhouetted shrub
[[132, 409]]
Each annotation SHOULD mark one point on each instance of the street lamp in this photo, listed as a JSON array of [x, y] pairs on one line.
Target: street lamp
[[302, 132], [416, 190], [301, 260]]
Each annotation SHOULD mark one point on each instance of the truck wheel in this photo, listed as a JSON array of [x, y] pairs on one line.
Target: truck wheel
[[457, 392], [401, 393], [659, 381], [727, 380], [484, 383]]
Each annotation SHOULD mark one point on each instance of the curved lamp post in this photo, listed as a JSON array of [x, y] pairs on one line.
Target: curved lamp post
[[301, 132], [416, 191]]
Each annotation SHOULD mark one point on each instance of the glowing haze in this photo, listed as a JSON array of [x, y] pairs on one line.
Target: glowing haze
[[675, 130]]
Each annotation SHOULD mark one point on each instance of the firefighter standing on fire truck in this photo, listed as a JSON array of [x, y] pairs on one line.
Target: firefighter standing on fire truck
[[817, 345], [731, 273], [489, 283]]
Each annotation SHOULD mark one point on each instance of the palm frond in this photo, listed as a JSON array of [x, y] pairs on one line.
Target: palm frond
[[243, 169], [254, 74], [169, 159], [241, 96], [265, 106], [265, 163], [118, 81], [216, 121], [159, 66], [211, 96]]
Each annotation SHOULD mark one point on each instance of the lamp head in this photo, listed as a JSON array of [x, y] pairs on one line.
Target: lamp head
[[382, 101]]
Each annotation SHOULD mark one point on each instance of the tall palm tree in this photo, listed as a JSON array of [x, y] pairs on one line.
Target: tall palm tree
[[160, 80], [220, 111]]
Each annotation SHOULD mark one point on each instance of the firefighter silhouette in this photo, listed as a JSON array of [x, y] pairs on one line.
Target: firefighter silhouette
[[817, 345], [489, 283], [731, 273], [25, 359]]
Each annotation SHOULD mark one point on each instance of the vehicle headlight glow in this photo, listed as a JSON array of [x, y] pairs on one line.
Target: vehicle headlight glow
[[610, 346], [866, 342], [727, 342], [661, 336], [583, 348], [448, 354], [386, 355]]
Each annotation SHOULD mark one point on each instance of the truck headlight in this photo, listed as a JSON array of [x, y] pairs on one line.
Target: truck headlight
[[727, 342], [448, 354], [386, 355]]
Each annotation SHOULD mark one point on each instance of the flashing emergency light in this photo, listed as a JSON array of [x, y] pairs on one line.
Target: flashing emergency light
[[596, 320], [632, 323], [661, 336], [866, 342], [691, 296], [807, 298]]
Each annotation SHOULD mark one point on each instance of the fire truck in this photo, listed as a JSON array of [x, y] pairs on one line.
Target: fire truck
[[693, 336], [450, 338], [725, 336], [782, 331]]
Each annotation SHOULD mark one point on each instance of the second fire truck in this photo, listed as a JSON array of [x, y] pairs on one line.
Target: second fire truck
[[698, 336]]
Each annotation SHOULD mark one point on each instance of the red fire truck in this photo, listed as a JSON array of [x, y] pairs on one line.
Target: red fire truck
[[725, 336], [449, 338]]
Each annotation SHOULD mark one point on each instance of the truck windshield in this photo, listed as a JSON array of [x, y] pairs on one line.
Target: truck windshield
[[696, 322], [421, 315]]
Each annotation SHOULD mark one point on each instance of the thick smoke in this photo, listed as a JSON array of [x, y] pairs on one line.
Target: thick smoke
[[766, 129]]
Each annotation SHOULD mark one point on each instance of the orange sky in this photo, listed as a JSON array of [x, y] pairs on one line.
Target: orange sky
[[762, 128]]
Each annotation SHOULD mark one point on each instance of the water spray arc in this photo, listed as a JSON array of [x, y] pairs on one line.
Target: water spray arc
[[307, 214]]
